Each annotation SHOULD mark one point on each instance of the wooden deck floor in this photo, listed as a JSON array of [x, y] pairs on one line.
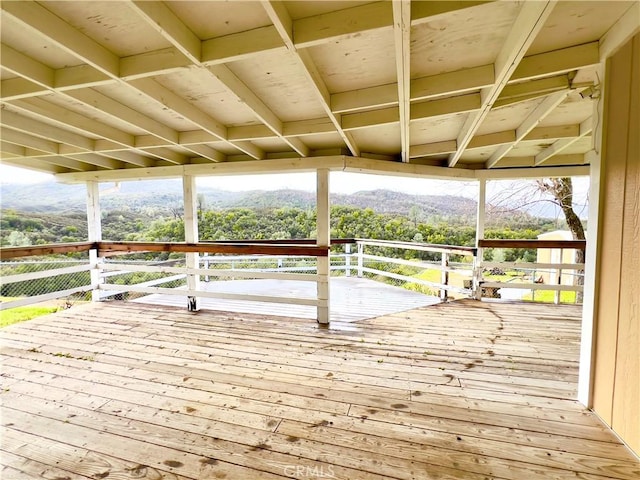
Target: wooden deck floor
[[352, 298], [465, 390]]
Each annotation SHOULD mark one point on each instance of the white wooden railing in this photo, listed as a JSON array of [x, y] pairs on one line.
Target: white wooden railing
[[294, 260]]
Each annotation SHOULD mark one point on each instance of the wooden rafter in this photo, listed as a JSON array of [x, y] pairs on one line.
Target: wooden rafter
[[529, 22], [173, 30], [284, 26], [532, 121], [401, 36], [559, 145]]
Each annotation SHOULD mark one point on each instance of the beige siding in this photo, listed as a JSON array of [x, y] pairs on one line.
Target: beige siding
[[617, 361]]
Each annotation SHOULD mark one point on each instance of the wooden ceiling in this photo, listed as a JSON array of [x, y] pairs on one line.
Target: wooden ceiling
[[96, 86]]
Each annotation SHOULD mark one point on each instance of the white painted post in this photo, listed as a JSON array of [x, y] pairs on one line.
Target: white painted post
[[191, 236], [360, 259], [94, 224], [444, 276], [589, 302], [556, 297], [347, 259], [323, 238], [480, 221]]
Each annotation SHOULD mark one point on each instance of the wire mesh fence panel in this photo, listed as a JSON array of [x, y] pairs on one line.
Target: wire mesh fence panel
[[53, 282]]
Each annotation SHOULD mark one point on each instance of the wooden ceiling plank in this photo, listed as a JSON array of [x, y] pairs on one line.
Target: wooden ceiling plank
[[620, 33], [37, 165], [436, 148], [332, 26], [165, 22], [365, 98], [524, 30], [207, 152], [11, 148], [174, 102], [402, 38], [39, 19], [284, 25], [69, 163], [541, 86], [164, 153], [26, 67], [63, 116], [446, 106], [240, 46], [44, 130], [156, 62], [98, 160], [532, 121], [373, 118], [558, 146], [79, 76], [26, 140], [131, 158], [178, 34], [557, 61], [319, 29], [423, 12], [452, 83], [106, 105], [15, 88]]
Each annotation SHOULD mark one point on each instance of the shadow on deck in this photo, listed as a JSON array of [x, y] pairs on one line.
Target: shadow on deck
[[465, 390]]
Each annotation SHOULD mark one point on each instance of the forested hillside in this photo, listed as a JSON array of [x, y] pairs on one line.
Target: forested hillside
[[146, 215]]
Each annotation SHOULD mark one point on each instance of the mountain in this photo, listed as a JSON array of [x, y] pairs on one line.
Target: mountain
[[166, 194]]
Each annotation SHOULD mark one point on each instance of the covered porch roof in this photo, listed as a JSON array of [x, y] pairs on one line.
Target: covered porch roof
[[116, 90]]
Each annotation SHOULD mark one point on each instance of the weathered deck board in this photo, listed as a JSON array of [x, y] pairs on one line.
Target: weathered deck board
[[462, 390], [352, 298]]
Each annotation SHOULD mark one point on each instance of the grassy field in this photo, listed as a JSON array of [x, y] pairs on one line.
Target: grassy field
[[548, 296], [21, 314]]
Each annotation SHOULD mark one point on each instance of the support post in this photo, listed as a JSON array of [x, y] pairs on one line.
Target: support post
[[323, 238], [347, 260], [191, 236], [360, 259], [591, 267], [444, 276], [480, 220], [94, 231]]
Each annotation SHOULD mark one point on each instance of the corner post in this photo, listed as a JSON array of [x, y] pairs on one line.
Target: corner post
[[480, 221], [323, 239], [94, 233], [591, 285], [191, 236]]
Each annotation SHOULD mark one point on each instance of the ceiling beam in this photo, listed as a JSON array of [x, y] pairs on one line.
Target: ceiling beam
[[44, 130], [333, 26], [402, 38], [423, 110], [496, 139], [557, 61], [165, 22], [178, 34], [284, 26], [618, 35], [35, 16], [176, 103], [558, 146], [524, 30], [36, 165], [533, 119], [26, 140]]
